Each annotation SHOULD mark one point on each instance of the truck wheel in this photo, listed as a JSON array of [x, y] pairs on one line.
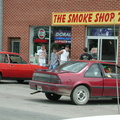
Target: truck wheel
[[80, 95], [52, 96], [20, 81]]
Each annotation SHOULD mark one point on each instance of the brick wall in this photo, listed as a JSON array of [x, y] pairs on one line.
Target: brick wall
[[78, 41], [20, 14]]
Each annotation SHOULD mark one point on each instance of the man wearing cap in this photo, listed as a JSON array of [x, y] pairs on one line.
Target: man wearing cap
[[64, 55]]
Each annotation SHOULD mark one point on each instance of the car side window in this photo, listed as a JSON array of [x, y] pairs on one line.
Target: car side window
[[3, 58], [93, 71], [110, 70], [17, 59]]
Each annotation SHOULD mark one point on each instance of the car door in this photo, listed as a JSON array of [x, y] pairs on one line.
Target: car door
[[111, 78], [4, 65], [95, 79], [19, 68]]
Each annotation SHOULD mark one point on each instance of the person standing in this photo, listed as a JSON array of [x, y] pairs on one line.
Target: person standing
[[54, 59], [86, 55], [42, 56], [64, 55]]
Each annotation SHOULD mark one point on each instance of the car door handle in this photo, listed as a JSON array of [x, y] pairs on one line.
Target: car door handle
[[11, 65]]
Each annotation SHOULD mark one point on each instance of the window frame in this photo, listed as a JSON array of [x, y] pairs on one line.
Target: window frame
[[14, 41]]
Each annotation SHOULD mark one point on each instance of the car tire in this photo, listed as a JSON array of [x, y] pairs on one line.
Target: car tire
[[52, 96], [20, 81], [0, 77], [80, 95]]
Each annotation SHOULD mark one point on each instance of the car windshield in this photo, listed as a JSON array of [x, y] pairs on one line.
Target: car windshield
[[72, 66]]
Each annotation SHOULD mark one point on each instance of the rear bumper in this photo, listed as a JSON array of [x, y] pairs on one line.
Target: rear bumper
[[51, 88]]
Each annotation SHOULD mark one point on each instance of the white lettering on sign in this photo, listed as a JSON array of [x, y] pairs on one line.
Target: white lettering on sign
[[64, 34]]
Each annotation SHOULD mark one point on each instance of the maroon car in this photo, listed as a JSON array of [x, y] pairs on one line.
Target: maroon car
[[80, 80]]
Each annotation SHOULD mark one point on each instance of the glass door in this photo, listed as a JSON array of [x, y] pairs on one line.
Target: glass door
[[103, 48], [108, 50], [93, 47]]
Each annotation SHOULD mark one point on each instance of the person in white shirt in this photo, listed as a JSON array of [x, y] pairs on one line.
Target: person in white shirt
[[42, 56], [64, 55]]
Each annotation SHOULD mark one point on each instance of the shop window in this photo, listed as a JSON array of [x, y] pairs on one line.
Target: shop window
[[41, 36], [62, 35], [58, 35], [102, 31], [50, 36]]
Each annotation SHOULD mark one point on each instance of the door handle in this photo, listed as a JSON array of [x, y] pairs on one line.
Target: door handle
[[11, 65]]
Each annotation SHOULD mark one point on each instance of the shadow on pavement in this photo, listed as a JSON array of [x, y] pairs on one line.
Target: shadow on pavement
[[67, 101], [102, 102], [26, 82]]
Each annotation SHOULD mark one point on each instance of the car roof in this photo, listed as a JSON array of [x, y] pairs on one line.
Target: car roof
[[95, 61], [4, 52]]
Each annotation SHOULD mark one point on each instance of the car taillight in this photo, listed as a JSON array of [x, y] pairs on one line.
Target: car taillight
[[55, 79], [33, 77]]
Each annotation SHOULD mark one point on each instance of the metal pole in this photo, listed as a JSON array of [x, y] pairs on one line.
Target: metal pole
[[117, 86], [49, 43]]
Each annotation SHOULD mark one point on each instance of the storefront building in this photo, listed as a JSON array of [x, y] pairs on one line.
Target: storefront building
[[27, 24]]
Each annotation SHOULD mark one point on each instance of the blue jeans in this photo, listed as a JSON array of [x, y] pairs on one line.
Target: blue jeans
[[52, 66]]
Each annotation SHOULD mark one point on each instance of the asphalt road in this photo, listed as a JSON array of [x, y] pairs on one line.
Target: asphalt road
[[16, 103]]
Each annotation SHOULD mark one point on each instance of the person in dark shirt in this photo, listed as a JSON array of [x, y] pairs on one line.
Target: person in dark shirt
[[85, 55]]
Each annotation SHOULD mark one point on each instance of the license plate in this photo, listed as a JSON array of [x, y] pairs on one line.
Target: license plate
[[39, 88]]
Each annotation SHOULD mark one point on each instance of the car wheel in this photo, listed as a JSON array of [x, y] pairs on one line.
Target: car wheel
[[0, 77], [80, 95], [52, 96], [20, 81]]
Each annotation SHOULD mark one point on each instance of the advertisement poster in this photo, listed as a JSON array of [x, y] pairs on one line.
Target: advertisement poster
[[62, 37], [102, 32]]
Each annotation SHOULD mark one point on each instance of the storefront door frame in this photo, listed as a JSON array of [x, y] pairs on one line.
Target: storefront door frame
[[100, 40]]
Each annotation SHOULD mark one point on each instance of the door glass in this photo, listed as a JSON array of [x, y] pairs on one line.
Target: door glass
[[16, 59], [93, 48], [111, 70], [3, 58], [109, 48]]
